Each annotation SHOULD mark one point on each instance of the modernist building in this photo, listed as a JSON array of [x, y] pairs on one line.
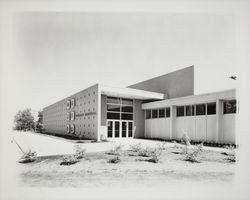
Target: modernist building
[[164, 107]]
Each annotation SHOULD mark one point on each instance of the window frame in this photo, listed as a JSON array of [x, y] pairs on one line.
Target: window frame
[[178, 107]]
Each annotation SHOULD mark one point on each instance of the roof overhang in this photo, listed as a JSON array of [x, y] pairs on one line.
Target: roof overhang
[[195, 99], [130, 93]]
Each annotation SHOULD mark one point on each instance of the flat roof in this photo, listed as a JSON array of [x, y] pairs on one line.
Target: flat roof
[[194, 99], [130, 93]]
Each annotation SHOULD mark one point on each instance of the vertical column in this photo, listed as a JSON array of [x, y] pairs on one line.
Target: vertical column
[[172, 121], [219, 113]]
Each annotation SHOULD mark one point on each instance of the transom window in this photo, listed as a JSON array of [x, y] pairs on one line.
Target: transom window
[[119, 108], [229, 106]]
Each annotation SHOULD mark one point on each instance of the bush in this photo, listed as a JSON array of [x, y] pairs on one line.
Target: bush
[[79, 152], [185, 139], [114, 160], [145, 152], [115, 150], [230, 153], [153, 153], [136, 147], [28, 156], [162, 146], [69, 160], [192, 155]]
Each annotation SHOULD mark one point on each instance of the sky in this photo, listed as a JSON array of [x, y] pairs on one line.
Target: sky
[[54, 55]]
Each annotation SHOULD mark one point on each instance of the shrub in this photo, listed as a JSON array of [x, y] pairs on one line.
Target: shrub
[[115, 150], [79, 152], [162, 146], [28, 156], [230, 153], [192, 155], [153, 153], [69, 160], [114, 160], [145, 152], [136, 147], [185, 139]]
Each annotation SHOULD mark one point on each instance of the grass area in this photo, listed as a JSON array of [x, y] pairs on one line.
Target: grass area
[[103, 169]]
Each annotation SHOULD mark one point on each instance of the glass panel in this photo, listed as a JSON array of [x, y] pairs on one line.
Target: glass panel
[[148, 114], [111, 115], [110, 129], [127, 101], [229, 106], [127, 109], [124, 129], [154, 113], [127, 116], [114, 100], [115, 108], [200, 109], [117, 129], [167, 112], [161, 113], [130, 129], [188, 110], [211, 108], [179, 111]]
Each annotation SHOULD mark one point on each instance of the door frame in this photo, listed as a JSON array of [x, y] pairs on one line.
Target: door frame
[[120, 128]]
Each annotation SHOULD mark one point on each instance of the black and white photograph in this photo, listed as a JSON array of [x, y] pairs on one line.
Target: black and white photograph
[[124, 99]]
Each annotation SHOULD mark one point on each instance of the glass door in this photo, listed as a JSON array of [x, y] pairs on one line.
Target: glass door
[[110, 129], [117, 129], [124, 129], [130, 129]]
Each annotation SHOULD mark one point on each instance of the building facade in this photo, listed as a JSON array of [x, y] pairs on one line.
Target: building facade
[[164, 107]]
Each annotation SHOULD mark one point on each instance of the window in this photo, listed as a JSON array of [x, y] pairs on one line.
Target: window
[[68, 104], [127, 101], [180, 111], [68, 129], [167, 112], [68, 116], [127, 109], [72, 116], [148, 114], [200, 109], [189, 110], [229, 107], [111, 115], [115, 108], [161, 113], [155, 113], [114, 100], [127, 116], [72, 128], [72, 103], [211, 108]]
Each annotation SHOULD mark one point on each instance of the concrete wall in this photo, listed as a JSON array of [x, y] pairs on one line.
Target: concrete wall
[[139, 121], [86, 112], [176, 84]]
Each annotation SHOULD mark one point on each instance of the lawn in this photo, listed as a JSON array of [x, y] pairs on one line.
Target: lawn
[[94, 170]]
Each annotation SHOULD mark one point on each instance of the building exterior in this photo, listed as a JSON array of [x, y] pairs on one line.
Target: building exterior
[[164, 107]]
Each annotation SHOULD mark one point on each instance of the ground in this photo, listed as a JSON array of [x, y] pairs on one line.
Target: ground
[[94, 170]]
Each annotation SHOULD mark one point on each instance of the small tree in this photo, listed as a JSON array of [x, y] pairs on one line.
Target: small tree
[[39, 123], [24, 121]]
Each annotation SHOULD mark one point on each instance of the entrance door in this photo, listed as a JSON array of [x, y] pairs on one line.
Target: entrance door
[[118, 128]]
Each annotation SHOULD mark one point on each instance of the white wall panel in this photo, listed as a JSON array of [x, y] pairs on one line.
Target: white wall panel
[[228, 128], [211, 128], [200, 128]]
